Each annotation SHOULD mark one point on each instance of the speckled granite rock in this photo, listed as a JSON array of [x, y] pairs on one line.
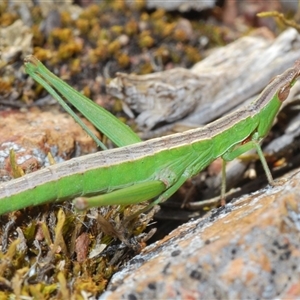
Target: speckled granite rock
[[33, 133], [249, 249]]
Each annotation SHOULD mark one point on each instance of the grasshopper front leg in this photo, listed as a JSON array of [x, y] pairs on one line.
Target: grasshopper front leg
[[234, 152]]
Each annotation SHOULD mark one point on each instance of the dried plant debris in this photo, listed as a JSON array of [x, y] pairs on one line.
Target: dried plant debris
[[59, 252], [181, 5], [159, 97]]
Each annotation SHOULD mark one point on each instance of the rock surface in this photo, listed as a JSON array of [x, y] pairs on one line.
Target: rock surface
[[34, 133], [248, 249]]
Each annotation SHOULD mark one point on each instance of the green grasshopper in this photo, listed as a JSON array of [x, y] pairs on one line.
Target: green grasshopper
[[155, 168]]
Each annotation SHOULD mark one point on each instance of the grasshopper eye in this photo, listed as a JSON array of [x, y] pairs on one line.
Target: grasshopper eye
[[283, 93]]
